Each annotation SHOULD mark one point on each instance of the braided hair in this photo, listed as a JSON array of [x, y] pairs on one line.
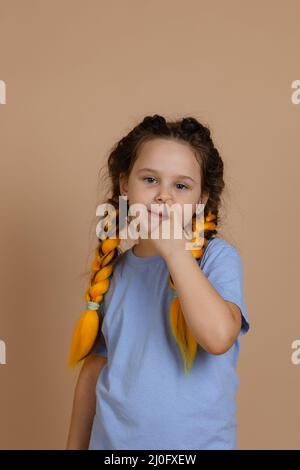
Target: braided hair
[[121, 161]]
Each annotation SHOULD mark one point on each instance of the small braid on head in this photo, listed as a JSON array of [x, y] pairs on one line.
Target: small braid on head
[[155, 124], [120, 162], [191, 127]]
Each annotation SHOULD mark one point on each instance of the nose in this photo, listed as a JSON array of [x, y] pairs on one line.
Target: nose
[[162, 196], [161, 199]]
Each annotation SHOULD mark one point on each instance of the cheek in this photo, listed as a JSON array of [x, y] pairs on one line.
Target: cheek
[[139, 186], [138, 194], [135, 188]]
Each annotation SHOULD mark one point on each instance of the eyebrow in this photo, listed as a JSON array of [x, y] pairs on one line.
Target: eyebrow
[[176, 176]]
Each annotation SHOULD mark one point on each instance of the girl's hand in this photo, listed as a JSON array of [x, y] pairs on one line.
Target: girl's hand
[[167, 227]]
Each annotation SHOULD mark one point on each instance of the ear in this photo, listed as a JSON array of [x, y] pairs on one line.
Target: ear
[[123, 183]]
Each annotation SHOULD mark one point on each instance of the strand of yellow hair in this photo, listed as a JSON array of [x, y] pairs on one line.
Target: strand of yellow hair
[[183, 336], [87, 327]]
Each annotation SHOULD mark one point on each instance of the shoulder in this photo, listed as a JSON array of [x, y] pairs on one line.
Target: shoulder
[[120, 264], [114, 279], [117, 264], [219, 250], [222, 265]]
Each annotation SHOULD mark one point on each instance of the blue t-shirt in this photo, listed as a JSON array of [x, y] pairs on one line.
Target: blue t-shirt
[[143, 398]]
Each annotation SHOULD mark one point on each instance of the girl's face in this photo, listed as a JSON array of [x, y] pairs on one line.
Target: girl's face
[[164, 169]]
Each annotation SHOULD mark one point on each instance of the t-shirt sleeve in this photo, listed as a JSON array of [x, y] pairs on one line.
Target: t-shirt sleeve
[[99, 348], [223, 267]]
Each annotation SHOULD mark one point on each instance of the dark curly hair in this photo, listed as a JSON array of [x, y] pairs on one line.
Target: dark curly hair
[[120, 162], [190, 130]]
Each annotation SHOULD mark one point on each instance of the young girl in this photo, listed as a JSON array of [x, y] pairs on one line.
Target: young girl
[[161, 333]]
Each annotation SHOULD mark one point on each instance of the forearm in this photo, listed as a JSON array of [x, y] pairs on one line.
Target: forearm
[[205, 311], [84, 404]]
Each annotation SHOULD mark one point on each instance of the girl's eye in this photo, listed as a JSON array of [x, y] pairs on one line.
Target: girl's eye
[[148, 178], [178, 184]]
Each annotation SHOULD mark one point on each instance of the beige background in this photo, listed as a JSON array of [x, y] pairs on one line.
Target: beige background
[[79, 75]]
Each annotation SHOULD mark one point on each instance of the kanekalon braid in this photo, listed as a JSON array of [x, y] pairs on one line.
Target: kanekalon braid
[[87, 326]]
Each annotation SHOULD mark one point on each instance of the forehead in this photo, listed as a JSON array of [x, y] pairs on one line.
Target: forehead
[[166, 154]]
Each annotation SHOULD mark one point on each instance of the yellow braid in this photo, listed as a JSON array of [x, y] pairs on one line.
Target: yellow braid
[[87, 326], [186, 342]]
